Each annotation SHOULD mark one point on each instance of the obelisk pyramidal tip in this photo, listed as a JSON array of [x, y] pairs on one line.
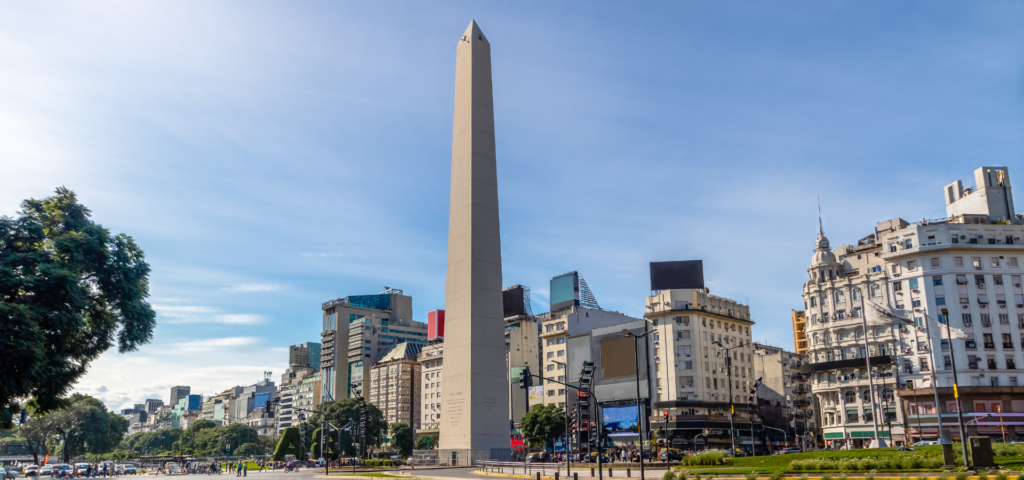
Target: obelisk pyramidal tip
[[474, 420]]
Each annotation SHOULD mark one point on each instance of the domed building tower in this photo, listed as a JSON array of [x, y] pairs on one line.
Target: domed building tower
[[844, 289]]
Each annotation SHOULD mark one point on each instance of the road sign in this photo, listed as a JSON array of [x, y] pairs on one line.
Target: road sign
[[386, 440]]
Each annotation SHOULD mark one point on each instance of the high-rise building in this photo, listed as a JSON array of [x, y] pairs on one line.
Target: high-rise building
[[435, 324], [306, 354], [356, 330], [890, 299], [698, 336], [431, 360], [291, 384], [152, 404], [784, 398], [799, 320], [395, 384], [177, 393]]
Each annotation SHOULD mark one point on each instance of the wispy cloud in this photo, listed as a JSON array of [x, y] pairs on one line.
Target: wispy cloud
[[175, 314], [212, 344], [252, 288]]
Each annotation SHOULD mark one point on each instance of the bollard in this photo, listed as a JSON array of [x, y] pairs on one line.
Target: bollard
[[556, 474], [610, 472], [628, 473], [591, 471], [538, 475], [575, 476]]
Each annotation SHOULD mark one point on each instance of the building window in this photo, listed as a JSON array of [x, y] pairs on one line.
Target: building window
[[935, 263], [958, 261]]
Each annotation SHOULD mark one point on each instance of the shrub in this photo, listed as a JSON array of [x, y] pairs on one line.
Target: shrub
[[668, 476], [870, 475], [962, 476], [826, 476], [983, 475], [841, 477], [1001, 475], [905, 477], [682, 475], [803, 477], [776, 475], [696, 476], [751, 476], [943, 476]]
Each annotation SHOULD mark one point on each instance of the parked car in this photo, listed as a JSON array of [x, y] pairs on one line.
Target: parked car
[[670, 454]]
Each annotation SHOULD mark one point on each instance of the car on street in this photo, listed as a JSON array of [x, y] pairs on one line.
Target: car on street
[[32, 471], [5, 473], [125, 469], [926, 442], [80, 468], [788, 450], [670, 454], [63, 468], [46, 470]]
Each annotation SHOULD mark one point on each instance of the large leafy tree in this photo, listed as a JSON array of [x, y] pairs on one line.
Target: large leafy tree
[[544, 424], [401, 438], [147, 442], [340, 412], [68, 291], [89, 427], [427, 441], [211, 442]]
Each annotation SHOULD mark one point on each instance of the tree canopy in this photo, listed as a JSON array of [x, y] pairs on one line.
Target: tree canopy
[[84, 423], [340, 412], [544, 424], [427, 441], [401, 438], [68, 291]]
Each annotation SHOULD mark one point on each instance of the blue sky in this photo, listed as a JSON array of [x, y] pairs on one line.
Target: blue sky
[[269, 156]]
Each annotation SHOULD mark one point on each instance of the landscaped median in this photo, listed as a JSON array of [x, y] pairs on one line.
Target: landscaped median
[[827, 464]]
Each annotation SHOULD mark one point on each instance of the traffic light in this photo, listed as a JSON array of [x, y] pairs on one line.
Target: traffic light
[[270, 408], [526, 380]]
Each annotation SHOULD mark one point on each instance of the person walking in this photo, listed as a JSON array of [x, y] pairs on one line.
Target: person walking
[[245, 469]]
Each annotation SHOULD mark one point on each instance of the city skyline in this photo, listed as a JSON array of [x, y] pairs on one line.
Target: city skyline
[[237, 155]]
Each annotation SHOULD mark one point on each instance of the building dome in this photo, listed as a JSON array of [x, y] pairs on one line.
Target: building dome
[[822, 252]]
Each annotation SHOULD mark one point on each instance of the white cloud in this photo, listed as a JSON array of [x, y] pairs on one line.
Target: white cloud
[[175, 314], [252, 288], [213, 344]]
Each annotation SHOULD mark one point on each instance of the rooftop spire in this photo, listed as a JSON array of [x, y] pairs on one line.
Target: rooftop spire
[[821, 230]]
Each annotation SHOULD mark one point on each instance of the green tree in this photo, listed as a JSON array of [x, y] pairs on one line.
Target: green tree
[[401, 438], [68, 290], [90, 428], [340, 412], [427, 441], [148, 442], [211, 442], [544, 424], [248, 450]]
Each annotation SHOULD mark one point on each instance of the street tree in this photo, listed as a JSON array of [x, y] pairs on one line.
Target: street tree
[[401, 438], [544, 424], [69, 290], [427, 441], [340, 412]]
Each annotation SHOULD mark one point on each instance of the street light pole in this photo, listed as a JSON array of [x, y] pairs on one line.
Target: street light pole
[[732, 408], [639, 406]]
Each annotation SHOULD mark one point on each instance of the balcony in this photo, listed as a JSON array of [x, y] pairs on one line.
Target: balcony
[[992, 365], [971, 344], [1008, 345], [990, 346], [1010, 365], [972, 366]]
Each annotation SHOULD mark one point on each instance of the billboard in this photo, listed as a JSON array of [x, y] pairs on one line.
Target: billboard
[[435, 324], [513, 301], [537, 395], [565, 291], [621, 420], [671, 275]]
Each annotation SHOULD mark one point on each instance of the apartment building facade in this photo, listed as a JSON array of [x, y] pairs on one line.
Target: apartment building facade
[[784, 398], [431, 360], [698, 336], [395, 385]]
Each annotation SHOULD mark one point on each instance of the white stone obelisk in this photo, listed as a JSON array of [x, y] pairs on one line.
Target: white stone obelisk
[[474, 405]]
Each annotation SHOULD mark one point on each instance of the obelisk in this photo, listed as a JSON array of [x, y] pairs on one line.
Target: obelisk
[[474, 406]]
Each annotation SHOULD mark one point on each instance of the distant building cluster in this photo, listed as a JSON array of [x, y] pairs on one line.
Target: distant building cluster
[[884, 324]]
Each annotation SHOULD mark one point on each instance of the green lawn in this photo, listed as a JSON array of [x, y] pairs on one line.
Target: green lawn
[[784, 463], [372, 474]]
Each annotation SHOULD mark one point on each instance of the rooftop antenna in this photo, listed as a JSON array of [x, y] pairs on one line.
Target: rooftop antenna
[[821, 230]]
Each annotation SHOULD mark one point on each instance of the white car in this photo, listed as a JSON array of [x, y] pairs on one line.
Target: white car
[[80, 468], [32, 471], [126, 469]]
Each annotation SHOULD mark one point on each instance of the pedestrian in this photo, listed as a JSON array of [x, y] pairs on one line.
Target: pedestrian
[[245, 469]]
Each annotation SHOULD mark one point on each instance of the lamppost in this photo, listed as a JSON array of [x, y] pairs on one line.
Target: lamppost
[[565, 411], [639, 406], [732, 408]]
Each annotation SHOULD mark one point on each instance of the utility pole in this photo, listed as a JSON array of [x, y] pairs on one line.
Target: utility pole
[[639, 404]]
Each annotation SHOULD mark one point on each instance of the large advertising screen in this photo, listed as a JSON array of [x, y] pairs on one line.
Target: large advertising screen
[[623, 420]]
